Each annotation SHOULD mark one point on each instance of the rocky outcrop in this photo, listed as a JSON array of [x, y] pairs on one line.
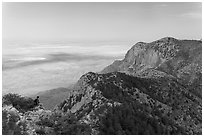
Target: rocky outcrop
[[87, 102], [179, 58]]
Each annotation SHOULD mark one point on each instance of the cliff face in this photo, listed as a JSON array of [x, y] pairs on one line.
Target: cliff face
[[160, 81], [180, 58]]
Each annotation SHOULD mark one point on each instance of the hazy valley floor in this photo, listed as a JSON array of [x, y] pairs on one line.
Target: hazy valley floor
[[38, 68]]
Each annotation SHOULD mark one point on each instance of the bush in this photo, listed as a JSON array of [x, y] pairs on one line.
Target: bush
[[22, 104], [11, 124], [40, 131], [69, 125], [64, 124]]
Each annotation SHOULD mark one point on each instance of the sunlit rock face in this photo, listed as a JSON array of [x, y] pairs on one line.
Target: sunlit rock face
[[179, 58]]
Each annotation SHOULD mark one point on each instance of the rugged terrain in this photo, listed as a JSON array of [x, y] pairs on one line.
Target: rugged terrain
[[181, 59], [155, 89], [163, 99], [162, 79]]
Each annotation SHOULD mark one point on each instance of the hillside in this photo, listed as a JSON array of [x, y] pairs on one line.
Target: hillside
[[154, 90], [179, 58], [158, 81], [162, 99]]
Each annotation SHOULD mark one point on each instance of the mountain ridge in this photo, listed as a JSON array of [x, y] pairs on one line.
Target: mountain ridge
[[154, 90], [102, 90], [150, 72], [169, 55]]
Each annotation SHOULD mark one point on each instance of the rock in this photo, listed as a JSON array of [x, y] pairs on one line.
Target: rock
[[178, 58]]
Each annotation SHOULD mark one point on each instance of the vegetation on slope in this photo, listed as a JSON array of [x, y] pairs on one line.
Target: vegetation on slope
[[131, 119]]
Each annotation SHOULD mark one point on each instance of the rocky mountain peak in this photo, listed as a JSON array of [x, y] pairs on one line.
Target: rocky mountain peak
[[177, 58], [164, 48], [168, 39]]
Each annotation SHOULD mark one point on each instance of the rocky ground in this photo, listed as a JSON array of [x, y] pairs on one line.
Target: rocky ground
[[25, 121]]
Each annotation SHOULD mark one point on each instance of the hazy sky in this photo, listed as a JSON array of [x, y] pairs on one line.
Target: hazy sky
[[111, 22]]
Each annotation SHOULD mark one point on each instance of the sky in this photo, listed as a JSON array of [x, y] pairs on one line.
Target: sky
[[101, 22]]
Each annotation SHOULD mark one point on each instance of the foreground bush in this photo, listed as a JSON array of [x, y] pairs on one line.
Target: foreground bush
[[11, 124], [22, 104]]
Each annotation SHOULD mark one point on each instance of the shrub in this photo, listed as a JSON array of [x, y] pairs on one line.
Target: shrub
[[40, 131], [20, 103], [11, 124], [64, 124]]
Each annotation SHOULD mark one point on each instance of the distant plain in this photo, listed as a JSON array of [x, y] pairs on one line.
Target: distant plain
[[32, 68]]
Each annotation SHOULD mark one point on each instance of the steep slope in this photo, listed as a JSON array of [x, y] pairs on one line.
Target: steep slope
[[162, 99], [155, 89], [179, 58]]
